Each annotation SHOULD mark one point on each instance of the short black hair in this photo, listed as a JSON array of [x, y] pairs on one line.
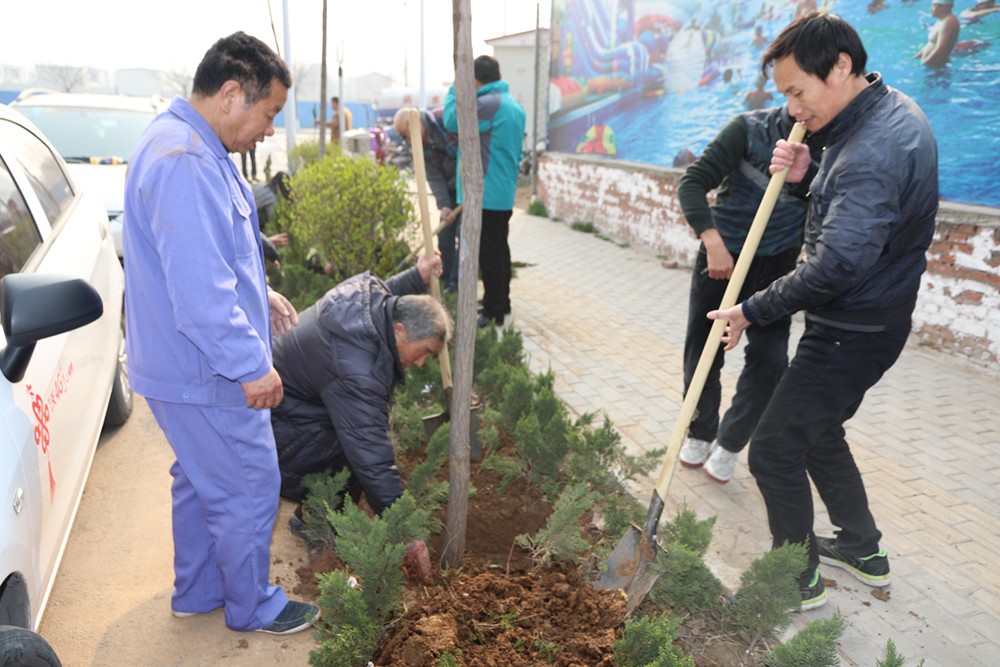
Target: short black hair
[[244, 59], [486, 69], [335, 100], [816, 41]]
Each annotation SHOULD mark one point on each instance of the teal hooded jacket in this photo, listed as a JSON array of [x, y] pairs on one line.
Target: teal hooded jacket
[[501, 139]]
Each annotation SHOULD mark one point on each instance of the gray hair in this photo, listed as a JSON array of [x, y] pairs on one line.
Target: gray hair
[[424, 317]]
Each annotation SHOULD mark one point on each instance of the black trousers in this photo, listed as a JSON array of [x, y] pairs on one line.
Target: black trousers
[[494, 263], [307, 443], [801, 436], [765, 353]]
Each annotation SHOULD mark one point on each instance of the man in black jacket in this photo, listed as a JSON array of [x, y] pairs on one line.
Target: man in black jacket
[[736, 162], [339, 367], [872, 204]]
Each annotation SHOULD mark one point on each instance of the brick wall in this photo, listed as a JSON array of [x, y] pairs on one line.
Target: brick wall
[[958, 308]]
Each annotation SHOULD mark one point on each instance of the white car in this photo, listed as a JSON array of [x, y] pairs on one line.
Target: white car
[[96, 135], [63, 369]]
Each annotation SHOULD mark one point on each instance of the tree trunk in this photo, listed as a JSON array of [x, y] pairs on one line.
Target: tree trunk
[[322, 90], [468, 255]]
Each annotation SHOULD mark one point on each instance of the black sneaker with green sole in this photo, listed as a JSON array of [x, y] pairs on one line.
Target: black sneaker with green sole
[[872, 570], [813, 592]]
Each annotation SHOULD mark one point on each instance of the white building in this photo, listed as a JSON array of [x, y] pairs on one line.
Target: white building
[[517, 58]]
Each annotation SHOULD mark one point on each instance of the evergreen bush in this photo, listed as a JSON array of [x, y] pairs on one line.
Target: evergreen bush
[[769, 591], [648, 641], [353, 212], [560, 539], [813, 646]]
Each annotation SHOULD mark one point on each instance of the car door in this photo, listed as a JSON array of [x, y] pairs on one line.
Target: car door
[[58, 407]]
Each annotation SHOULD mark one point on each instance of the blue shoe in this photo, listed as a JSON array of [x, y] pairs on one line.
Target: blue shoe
[[295, 617]]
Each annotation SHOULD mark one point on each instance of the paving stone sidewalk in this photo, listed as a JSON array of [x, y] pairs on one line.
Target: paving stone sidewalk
[[609, 321]]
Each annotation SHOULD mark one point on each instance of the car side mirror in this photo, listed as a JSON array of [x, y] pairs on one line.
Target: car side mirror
[[33, 307]]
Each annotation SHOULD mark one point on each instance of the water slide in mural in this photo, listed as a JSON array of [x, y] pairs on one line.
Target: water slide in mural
[[653, 81]]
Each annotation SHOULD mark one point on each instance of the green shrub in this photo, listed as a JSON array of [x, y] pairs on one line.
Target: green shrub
[[324, 494], [894, 658], [359, 603], [649, 642], [537, 208], [585, 227], [352, 211], [687, 530], [423, 484], [815, 645], [560, 539], [303, 155], [406, 424], [348, 634], [683, 581], [768, 592]]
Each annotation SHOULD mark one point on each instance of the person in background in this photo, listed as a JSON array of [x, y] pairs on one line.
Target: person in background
[[736, 162], [200, 320], [252, 154], [339, 367], [942, 36], [758, 98], [440, 158], [501, 135], [873, 199], [334, 122]]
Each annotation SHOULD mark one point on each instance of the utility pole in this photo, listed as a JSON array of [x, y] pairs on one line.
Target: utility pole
[[291, 106]]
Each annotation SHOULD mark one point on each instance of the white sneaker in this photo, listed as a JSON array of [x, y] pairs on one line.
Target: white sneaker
[[720, 464], [694, 452]]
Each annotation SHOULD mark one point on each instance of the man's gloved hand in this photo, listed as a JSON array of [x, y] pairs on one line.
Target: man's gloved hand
[[417, 561]]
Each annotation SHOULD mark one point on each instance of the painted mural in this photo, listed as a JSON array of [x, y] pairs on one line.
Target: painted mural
[[653, 81]]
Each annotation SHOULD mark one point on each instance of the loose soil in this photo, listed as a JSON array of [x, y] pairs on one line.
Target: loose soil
[[498, 611]]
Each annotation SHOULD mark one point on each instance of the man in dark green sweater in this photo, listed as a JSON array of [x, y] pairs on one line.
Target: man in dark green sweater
[[736, 162]]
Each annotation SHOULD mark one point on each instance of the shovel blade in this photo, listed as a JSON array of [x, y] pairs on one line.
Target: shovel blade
[[433, 422], [630, 568]]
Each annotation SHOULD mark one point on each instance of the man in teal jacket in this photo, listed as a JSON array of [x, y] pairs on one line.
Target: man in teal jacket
[[501, 137]]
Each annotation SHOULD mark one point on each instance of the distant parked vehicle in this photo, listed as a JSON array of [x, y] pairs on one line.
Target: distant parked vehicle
[[63, 370], [95, 134]]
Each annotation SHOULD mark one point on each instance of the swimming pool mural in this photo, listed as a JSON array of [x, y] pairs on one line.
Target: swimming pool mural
[[653, 81]]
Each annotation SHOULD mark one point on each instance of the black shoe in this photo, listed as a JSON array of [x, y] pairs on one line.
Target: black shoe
[[485, 320], [479, 310], [813, 592], [298, 528], [872, 570], [295, 617]]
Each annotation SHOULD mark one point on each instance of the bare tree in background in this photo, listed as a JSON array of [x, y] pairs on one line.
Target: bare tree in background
[[465, 338], [178, 81], [66, 77], [322, 91]]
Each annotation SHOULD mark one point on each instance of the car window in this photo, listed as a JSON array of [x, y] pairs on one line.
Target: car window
[[18, 235], [81, 134], [41, 167]]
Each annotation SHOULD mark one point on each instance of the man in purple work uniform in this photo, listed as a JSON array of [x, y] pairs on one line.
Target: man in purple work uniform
[[200, 318]]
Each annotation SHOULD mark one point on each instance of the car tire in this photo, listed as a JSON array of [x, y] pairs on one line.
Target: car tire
[[120, 403], [20, 647]]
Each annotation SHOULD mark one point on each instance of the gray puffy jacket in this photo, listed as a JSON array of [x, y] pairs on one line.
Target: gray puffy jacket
[[339, 367]]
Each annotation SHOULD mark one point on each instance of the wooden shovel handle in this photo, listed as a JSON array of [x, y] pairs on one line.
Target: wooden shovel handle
[[420, 173], [719, 326]]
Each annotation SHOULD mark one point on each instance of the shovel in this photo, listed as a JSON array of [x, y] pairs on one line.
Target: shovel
[[629, 567], [433, 422]]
